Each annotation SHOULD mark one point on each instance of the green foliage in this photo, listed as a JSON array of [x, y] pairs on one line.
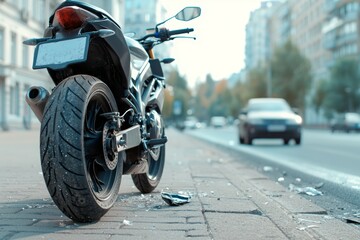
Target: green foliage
[[222, 100], [179, 92], [204, 98], [238, 98], [214, 98], [256, 84], [291, 75], [342, 90], [318, 99]]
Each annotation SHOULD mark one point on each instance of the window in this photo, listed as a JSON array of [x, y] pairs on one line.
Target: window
[[25, 55], [38, 10], [35, 9], [13, 48], [15, 100], [23, 4], [2, 49], [41, 17]]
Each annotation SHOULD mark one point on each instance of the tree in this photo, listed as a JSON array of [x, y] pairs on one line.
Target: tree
[[222, 99], [237, 99], [204, 98], [291, 75], [318, 99], [214, 98], [343, 87], [256, 84], [177, 91]]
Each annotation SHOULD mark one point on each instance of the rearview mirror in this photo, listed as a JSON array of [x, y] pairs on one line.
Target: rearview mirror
[[188, 13]]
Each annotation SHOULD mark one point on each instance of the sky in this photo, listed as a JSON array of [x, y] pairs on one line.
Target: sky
[[219, 48]]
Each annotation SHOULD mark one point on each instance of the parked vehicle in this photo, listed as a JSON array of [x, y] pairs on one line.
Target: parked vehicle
[[192, 123], [218, 121], [346, 122], [269, 118], [103, 119]]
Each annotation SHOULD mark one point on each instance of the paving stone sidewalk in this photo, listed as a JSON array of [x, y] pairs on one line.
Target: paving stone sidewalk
[[229, 200]]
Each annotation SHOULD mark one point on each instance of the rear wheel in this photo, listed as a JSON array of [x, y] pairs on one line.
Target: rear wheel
[[72, 157], [298, 141]]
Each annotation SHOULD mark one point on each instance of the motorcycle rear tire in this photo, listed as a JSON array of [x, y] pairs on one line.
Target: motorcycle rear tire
[[72, 158]]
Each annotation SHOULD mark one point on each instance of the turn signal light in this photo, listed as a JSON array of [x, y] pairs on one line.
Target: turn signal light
[[72, 17]]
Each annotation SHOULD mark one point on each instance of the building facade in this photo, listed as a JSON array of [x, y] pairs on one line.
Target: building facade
[[116, 8], [144, 15], [341, 29], [20, 20], [280, 25], [258, 35], [308, 18]]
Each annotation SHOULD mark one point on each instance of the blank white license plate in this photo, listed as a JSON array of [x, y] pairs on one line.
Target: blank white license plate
[[276, 128], [59, 54]]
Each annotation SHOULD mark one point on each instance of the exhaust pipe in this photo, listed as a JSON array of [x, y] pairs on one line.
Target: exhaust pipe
[[37, 98]]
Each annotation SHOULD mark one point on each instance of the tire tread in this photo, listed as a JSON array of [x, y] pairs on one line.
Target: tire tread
[[61, 152]]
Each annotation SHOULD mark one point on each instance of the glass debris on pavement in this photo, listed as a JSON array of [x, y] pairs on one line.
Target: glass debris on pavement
[[281, 179], [126, 222], [268, 169], [175, 199], [306, 190]]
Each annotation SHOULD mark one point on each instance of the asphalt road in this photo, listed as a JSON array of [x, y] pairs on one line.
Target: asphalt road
[[331, 156], [323, 157]]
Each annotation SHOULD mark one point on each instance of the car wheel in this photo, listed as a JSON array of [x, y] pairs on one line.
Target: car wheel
[[241, 140], [298, 141], [248, 139], [286, 141]]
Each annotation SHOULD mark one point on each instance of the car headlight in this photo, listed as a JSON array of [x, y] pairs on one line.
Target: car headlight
[[297, 120]]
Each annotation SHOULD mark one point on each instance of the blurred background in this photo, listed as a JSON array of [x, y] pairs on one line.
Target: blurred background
[[304, 51]]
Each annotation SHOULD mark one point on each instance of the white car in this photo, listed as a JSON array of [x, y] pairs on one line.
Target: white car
[[218, 121]]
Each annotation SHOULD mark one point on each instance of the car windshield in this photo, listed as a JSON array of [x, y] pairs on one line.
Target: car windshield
[[272, 106]]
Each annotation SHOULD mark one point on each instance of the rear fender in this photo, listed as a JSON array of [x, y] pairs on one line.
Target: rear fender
[[108, 58]]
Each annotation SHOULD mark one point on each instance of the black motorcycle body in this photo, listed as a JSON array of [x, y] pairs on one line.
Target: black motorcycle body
[[103, 118]]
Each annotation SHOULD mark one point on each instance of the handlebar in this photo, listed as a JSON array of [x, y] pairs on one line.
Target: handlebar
[[180, 31], [165, 34]]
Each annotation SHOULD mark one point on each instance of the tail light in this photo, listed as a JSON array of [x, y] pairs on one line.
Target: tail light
[[72, 17]]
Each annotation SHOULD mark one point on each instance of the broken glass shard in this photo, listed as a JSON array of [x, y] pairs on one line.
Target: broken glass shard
[[175, 199]]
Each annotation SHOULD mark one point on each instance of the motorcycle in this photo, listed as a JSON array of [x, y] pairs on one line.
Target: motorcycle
[[103, 118]]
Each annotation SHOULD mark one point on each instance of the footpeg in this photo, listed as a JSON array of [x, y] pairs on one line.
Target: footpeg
[[156, 142]]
